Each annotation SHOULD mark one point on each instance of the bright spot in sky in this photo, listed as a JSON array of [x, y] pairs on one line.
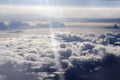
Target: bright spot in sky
[[61, 12]]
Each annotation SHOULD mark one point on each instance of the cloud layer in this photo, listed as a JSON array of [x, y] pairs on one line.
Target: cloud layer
[[43, 12], [81, 57]]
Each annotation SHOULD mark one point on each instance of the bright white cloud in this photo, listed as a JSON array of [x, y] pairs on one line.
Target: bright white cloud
[[32, 55], [58, 12]]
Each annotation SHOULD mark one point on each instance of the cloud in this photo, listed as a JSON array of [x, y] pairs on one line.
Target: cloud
[[82, 57], [52, 24], [17, 24], [88, 69], [3, 26], [45, 13], [13, 25], [2, 77]]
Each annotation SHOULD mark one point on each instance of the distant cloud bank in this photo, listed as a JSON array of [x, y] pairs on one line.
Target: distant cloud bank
[[12, 25]]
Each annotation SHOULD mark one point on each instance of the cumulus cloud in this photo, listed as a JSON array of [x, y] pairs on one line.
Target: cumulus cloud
[[115, 26], [82, 57], [16, 24]]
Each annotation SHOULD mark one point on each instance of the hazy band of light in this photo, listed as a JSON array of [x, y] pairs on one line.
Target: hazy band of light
[[62, 12]]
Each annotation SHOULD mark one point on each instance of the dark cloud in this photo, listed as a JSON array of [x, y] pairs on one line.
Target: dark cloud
[[16, 24], [105, 69]]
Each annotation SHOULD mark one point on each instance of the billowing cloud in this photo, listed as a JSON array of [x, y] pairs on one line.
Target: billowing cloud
[[81, 57]]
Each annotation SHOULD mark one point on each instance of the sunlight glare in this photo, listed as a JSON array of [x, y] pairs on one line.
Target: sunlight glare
[[54, 44]]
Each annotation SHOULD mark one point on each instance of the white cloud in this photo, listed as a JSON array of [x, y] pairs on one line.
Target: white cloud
[[33, 55], [61, 12]]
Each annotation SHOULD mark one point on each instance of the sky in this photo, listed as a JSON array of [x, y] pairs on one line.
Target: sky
[[64, 2], [44, 9]]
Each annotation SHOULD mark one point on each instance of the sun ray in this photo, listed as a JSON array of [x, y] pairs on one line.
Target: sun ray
[[54, 44]]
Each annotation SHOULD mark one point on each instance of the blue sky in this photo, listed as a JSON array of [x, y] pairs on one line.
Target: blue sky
[[64, 2]]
